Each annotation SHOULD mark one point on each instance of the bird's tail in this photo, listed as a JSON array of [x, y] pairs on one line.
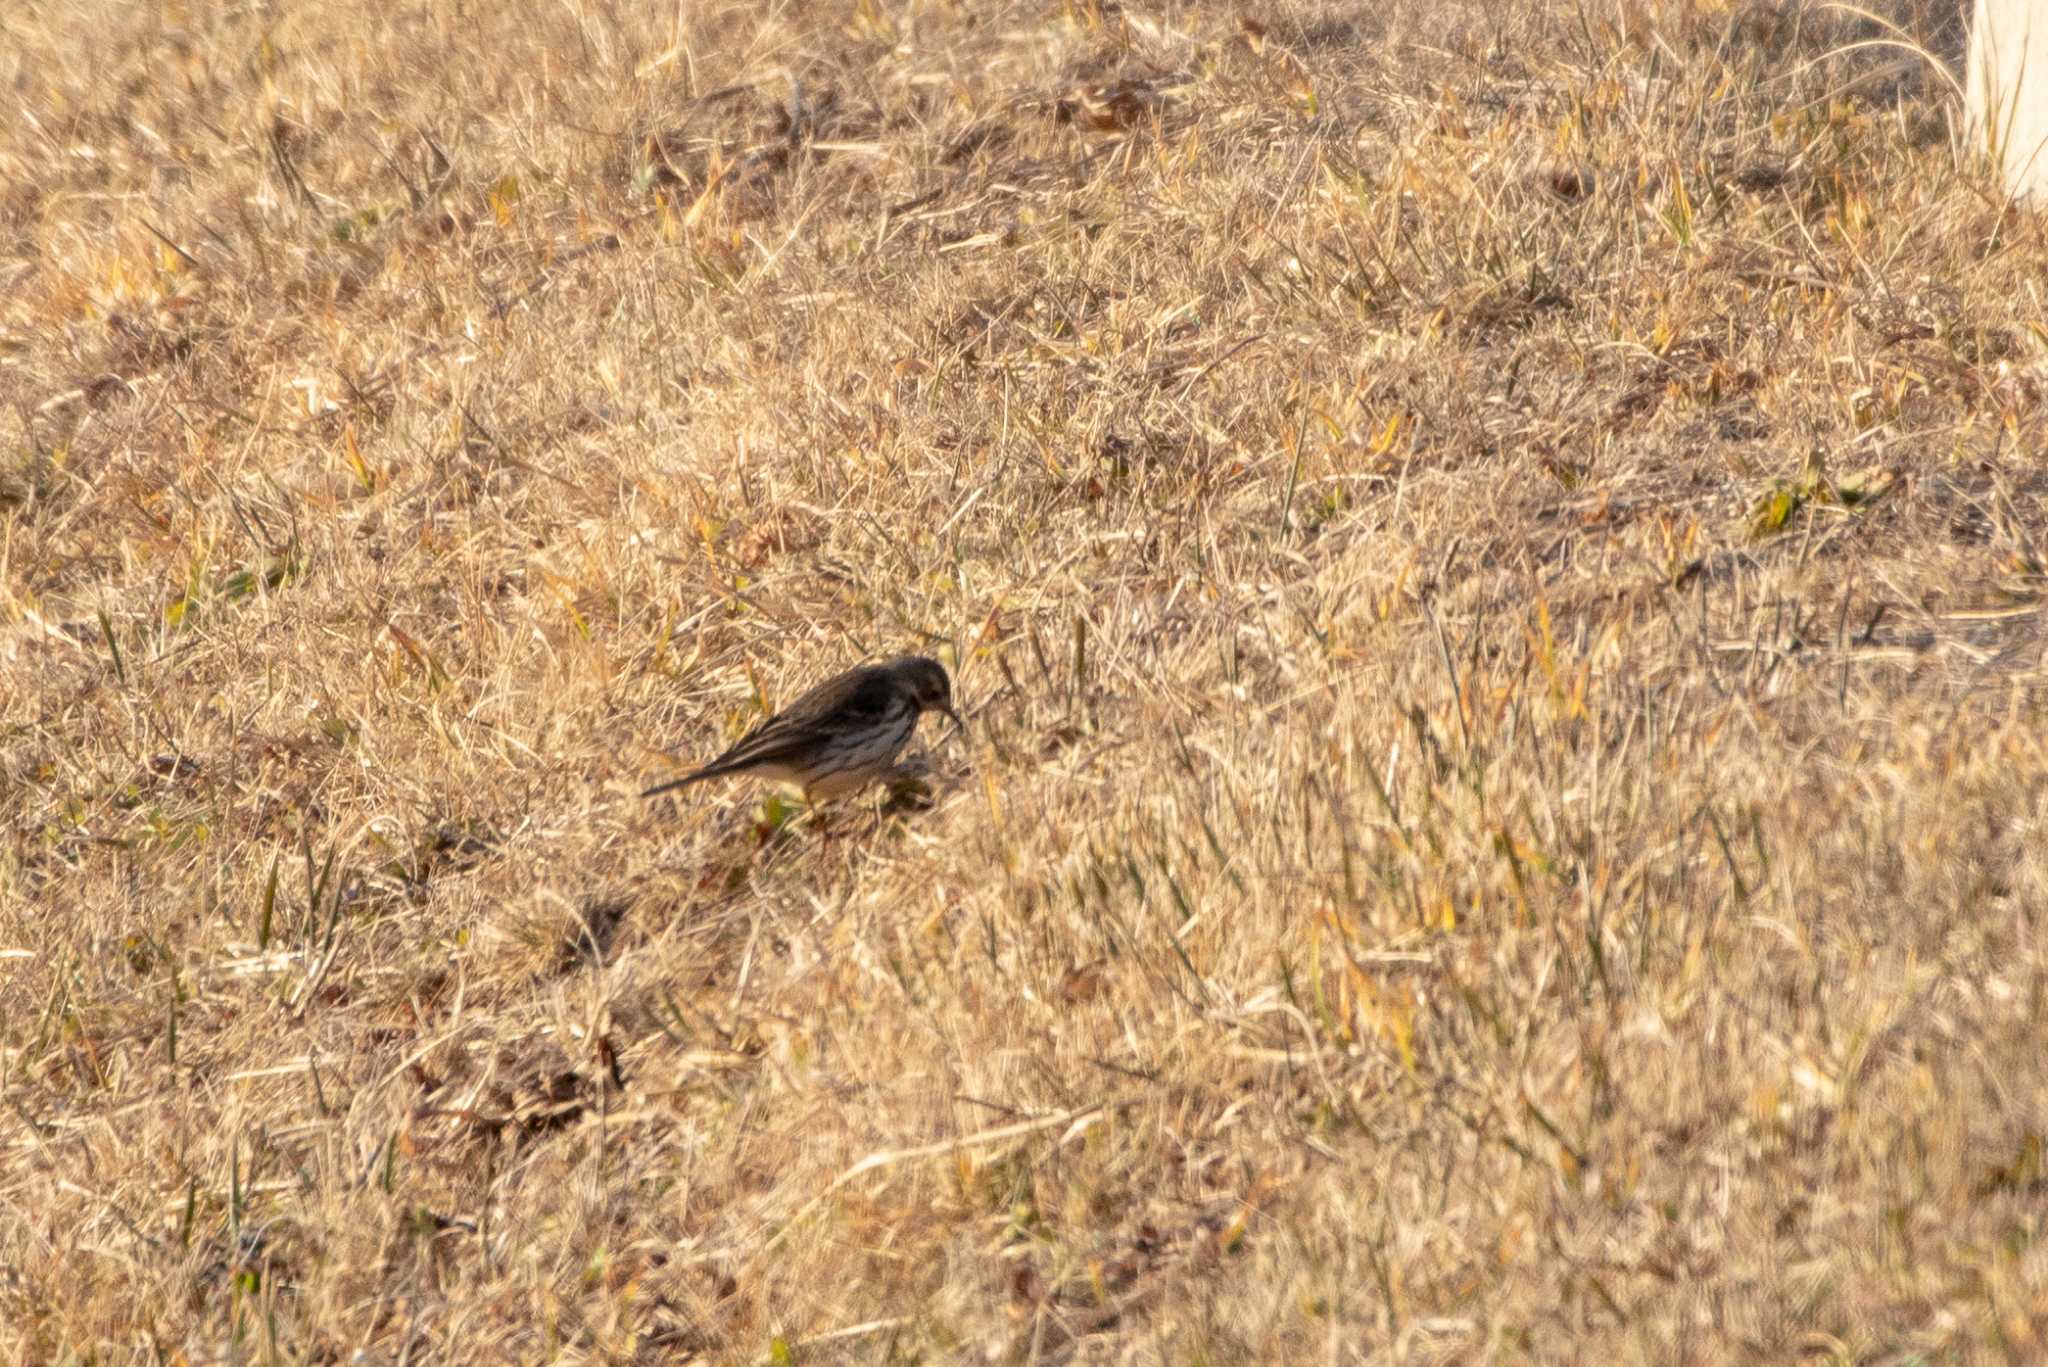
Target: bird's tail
[[685, 781]]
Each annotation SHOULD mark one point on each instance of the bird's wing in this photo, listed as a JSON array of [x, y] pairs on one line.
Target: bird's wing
[[851, 699], [856, 696]]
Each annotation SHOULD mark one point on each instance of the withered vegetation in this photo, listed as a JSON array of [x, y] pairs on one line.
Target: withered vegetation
[[1494, 561]]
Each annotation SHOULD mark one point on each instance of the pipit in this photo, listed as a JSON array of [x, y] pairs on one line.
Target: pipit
[[842, 735]]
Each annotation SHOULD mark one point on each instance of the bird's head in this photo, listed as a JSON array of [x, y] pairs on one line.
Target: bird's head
[[926, 681]]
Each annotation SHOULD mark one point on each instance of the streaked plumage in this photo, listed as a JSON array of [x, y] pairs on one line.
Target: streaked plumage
[[840, 736]]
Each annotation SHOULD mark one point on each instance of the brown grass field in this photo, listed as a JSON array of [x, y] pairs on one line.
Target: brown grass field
[[1495, 563]]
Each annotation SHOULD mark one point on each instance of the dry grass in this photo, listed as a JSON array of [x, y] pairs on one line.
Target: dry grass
[[1496, 565]]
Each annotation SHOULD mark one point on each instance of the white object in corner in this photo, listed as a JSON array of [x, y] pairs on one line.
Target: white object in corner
[[2006, 94]]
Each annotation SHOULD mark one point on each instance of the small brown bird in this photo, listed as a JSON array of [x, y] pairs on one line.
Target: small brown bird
[[842, 735]]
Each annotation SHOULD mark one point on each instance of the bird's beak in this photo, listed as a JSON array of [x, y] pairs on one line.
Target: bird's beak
[[958, 725]]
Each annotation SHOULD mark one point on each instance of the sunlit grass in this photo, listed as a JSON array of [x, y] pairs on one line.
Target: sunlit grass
[[1494, 566]]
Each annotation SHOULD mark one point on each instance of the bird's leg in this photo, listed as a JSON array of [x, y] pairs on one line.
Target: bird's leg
[[818, 811]]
